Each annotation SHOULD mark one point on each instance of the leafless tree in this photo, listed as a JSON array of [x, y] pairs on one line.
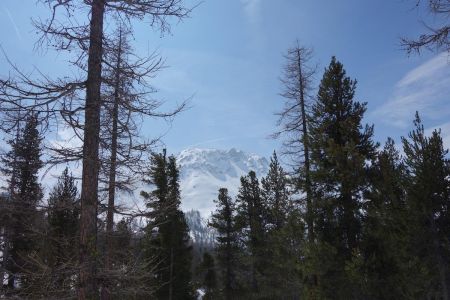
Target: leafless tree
[[437, 38], [60, 99], [297, 83], [126, 97]]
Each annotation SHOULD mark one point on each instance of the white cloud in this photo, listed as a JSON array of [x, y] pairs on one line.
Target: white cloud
[[425, 89]]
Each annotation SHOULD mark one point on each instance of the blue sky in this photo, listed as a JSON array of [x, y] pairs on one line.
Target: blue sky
[[228, 55]]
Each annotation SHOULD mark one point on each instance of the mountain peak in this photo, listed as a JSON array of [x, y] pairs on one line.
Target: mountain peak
[[204, 171]]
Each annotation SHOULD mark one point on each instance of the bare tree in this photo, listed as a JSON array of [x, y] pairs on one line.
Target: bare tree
[[297, 80], [59, 99], [126, 97], [437, 38]]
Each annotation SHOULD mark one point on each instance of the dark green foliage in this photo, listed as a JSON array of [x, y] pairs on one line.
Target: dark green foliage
[[428, 175], [227, 248], [167, 236], [382, 271], [340, 150], [251, 216], [63, 226], [22, 164], [284, 230], [208, 270]]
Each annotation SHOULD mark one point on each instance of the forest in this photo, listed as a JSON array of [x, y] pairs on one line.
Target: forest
[[348, 217]]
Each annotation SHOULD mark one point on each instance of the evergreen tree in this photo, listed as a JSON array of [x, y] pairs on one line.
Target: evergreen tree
[[22, 164], [279, 275], [209, 281], [383, 271], [340, 150], [63, 222], [227, 248], [251, 215], [167, 234], [428, 172]]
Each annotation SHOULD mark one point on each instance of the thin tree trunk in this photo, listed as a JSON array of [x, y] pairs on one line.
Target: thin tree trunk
[[441, 265], [7, 264], [171, 275], [106, 294], [89, 185], [305, 141]]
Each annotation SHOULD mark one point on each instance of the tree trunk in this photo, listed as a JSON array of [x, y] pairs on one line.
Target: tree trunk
[[305, 142], [171, 274], [442, 266], [89, 185], [106, 294]]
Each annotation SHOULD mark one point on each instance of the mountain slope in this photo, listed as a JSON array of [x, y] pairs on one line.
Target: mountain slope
[[204, 171]]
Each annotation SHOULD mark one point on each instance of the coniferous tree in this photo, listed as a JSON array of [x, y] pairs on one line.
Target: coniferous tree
[[22, 163], [167, 235], [340, 150], [209, 277], [275, 197], [428, 173], [383, 270], [223, 220], [251, 216], [63, 226], [297, 82]]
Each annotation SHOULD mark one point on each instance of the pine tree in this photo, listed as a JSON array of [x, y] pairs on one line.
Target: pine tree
[[275, 194], [209, 277], [22, 163], [251, 215], [383, 272], [428, 207], [167, 235], [63, 222], [227, 248], [279, 278], [340, 149]]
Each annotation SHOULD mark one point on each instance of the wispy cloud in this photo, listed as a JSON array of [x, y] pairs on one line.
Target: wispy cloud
[[13, 23], [425, 89]]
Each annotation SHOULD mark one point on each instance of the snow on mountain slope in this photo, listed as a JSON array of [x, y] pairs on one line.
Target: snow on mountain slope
[[204, 171]]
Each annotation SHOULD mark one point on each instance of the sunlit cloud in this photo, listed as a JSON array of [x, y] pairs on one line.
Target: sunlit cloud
[[425, 89]]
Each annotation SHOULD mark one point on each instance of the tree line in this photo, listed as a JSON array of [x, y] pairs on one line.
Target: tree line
[[353, 220], [350, 220]]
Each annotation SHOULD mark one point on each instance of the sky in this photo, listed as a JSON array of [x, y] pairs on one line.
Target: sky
[[227, 58]]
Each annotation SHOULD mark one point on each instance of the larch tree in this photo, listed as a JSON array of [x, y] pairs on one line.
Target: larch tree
[[60, 97], [437, 37], [297, 87]]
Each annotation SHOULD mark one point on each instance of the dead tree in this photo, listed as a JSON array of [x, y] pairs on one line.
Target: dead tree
[[297, 80], [438, 37], [59, 99], [126, 97]]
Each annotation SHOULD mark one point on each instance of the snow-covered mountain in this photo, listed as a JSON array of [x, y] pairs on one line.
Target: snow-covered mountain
[[204, 171]]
